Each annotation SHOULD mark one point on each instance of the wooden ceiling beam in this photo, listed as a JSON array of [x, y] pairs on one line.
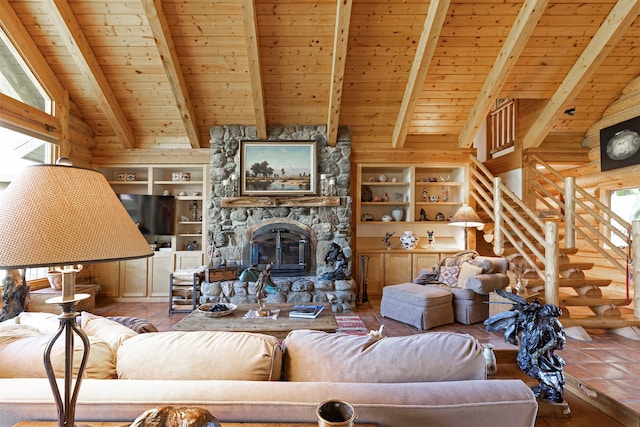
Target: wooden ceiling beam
[[171, 63], [612, 29], [522, 28], [427, 44], [338, 61], [250, 19], [74, 39]]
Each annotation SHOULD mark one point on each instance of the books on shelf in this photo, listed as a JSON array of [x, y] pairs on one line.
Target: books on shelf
[[306, 311]]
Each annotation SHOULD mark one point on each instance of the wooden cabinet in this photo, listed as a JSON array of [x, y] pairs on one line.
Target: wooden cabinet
[[133, 278], [393, 267], [161, 265], [422, 261], [397, 268]]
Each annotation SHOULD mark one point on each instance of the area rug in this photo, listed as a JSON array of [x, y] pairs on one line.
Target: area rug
[[352, 325]]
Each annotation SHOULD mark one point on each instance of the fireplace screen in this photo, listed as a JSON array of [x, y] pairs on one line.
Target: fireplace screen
[[287, 249]]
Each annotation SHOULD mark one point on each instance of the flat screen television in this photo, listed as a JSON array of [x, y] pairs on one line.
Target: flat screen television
[[154, 215]]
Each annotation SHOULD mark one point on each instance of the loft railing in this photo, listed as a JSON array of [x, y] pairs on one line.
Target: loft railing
[[501, 127]]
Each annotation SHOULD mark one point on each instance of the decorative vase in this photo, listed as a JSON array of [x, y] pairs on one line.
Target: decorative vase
[[489, 358], [409, 240], [397, 214]]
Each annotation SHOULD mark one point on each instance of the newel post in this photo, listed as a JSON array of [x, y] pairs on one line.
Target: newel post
[[635, 266], [551, 262], [498, 239], [569, 211]]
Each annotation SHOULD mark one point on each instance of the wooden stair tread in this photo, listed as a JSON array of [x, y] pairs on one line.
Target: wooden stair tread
[[569, 265], [600, 322], [591, 302], [570, 283]]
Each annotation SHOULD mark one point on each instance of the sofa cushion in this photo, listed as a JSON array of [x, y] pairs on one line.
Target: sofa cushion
[[466, 271], [107, 330], [47, 323], [485, 283], [435, 356], [21, 354], [200, 355]]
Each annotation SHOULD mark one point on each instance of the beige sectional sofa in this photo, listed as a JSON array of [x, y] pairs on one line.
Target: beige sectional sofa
[[434, 379]]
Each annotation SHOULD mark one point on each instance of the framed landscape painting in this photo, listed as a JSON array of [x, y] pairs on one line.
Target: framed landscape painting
[[278, 168]]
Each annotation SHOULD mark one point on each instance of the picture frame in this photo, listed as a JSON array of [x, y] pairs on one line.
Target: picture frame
[[278, 168], [620, 145]]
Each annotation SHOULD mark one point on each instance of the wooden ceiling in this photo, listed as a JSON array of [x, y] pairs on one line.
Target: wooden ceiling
[[157, 74]]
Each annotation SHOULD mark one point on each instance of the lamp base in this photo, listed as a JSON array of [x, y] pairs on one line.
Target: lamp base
[[66, 407]]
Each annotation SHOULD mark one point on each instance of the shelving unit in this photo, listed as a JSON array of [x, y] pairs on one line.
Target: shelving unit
[[189, 184], [438, 191]]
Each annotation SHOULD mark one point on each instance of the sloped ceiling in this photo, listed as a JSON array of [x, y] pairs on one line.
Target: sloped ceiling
[[401, 73]]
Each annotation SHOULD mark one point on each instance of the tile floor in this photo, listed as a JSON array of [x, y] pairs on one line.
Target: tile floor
[[607, 365]]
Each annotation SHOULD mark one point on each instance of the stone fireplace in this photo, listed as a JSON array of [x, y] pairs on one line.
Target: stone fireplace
[[296, 239]]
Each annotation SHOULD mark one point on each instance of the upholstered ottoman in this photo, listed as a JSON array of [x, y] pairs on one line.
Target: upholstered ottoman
[[421, 306]]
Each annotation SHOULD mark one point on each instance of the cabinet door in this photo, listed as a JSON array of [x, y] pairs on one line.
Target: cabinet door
[[397, 268], [108, 274], [424, 261], [189, 259], [160, 268], [133, 278], [374, 273]]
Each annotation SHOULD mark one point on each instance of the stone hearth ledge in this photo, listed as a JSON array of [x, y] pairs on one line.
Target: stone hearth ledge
[[306, 289]]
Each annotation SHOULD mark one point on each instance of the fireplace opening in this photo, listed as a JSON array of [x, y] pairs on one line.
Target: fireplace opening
[[286, 246]]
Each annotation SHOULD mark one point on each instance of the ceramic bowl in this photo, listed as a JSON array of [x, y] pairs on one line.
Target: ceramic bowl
[[206, 309]]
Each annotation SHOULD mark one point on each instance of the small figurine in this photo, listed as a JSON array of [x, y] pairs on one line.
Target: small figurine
[[423, 215], [424, 194], [430, 238], [386, 241]]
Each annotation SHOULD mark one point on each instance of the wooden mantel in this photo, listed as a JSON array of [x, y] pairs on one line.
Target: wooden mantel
[[279, 201]]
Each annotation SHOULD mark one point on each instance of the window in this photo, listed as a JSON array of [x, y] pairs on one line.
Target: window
[[17, 81], [625, 203]]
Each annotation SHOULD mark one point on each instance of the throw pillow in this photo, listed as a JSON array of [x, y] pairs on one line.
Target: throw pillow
[[113, 333], [449, 275], [466, 271], [46, 323]]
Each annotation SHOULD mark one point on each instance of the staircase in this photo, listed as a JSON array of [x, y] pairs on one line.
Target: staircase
[[546, 243]]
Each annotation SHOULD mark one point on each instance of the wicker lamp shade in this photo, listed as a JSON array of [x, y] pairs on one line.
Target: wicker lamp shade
[[465, 217], [54, 215]]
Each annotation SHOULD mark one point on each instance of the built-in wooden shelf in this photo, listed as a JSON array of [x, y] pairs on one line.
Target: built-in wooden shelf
[[279, 201]]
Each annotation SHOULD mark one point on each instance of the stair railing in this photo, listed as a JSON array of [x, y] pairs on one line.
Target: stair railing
[[504, 207], [592, 212]]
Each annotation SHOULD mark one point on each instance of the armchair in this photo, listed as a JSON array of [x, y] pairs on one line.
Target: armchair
[[470, 278]]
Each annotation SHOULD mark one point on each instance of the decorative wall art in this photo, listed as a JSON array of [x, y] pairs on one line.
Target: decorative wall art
[[620, 145], [278, 168]]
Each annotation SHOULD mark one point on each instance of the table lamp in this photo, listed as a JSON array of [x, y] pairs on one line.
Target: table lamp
[[466, 217], [63, 216]]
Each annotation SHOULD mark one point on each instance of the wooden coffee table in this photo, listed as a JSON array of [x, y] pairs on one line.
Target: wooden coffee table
[[280, 327]]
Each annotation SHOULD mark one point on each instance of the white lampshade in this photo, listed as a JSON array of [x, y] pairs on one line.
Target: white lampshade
[[54, 215]]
